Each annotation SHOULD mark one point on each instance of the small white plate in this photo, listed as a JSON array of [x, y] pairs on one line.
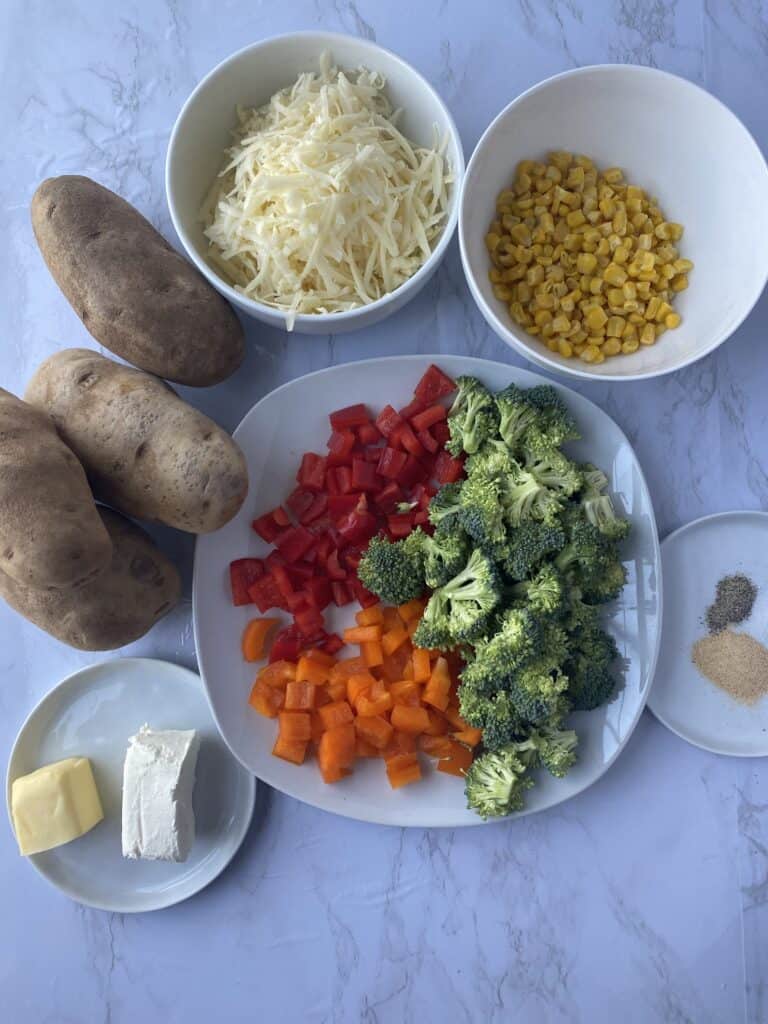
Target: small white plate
[[93, 713], [294, 419], [694, 559]]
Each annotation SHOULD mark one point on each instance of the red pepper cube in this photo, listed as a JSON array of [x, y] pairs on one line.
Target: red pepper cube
[[364, 475], [265, 594], [447, 469], [319, 588], [428, 418], [340, 445], [332, 644], [357, 527], [332, 481], [267, 528], [344, 479], [243, 572], [282, 580], [349, 416], [388, 420], [400, 525], [368, 433], [409, 411], [389, 498], [311, 472], [427, 441], [299, 500], [341, 593], [294, 542], [340, 504], [287, 645], [411, 472], [433, 385], [309, 621], [316, 509], [364, 597], [333, 567], [404, 437], [391, 463], [441, 433]]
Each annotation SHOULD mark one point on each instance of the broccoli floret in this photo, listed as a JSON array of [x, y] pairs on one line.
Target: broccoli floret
[[545, 593], [445, 504], [495, 714], [482, 512], [577, 613], [494, 460], [554, 424], [473, 417], [517, 637], [552, 469], [394, 571], [525, 497], [590, 680], [598, 506], [529, 544], [496, 783], [470, 597], [607, 584], [555, 749], [445, 555], [538, 691], [587, 552], [516, 415]]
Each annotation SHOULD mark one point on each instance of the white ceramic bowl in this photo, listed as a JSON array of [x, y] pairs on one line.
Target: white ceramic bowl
[[249, 77], [671, 138]]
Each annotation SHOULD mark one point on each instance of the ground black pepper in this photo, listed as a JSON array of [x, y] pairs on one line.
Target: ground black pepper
[[733, 602]]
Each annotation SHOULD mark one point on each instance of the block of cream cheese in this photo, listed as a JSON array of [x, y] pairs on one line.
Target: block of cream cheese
[[54, 805], [158, 780]]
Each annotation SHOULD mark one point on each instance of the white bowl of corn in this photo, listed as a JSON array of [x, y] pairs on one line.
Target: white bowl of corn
[[614, 223]]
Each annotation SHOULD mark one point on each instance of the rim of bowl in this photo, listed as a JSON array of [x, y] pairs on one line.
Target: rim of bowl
[[503, 331], [325, 39]]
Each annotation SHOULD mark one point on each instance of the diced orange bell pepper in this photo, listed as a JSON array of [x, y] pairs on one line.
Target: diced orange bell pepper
[[410, 719], [278, 673], [411, 610], [368, 706], [406, 692], [390, 619], [457, 762], [453, 715], [255, 637], [372, 653], [376, 731], [347, 667], [290, 750], [469, 737], [371, 616], [358, 685], [336, 752], [317, 655], [401, 743], [436, 746], [393, 639], [267, 700], [337, 713], [437, 690], [295, 726], [438, 724], [299, 696], [362, 634], [402, 769], [364, 749], [336, 691], [310, 670], [422, 669]]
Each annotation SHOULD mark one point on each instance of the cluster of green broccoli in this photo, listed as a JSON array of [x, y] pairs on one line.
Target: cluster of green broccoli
[[523, 553]]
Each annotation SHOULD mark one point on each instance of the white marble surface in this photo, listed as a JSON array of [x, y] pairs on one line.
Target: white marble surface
[[645, 899]]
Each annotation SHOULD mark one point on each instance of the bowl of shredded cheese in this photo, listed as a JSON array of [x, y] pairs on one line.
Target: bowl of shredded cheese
[[314, 179]]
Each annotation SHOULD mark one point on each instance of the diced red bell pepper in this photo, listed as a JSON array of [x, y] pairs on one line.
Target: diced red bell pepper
[[273, 558], [299, 573], [441, 433], [357, 527], [372, 454], [433, 385], [368, 433], [294, 542], [332, 644], [341, 593], [319, 587], [388, 420], [404, 437], [242, 573], [299, 500], [389, 498], [421, 518], [333, 567], [427, 441], [448, 469], [391, 463], [316, 509], [309, 621], [340, 445], [350, 557], [411, 472], [349, 416], [311, 472], [323, 548], [287, 645], [428, 418], [332, 481], [364, 475], [414, 407], [340, 504], [282, 580], [264, 593], [344, 477], [400, 525], [267, 526]]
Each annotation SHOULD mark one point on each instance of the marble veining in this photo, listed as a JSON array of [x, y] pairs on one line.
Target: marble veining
[[643, 900]]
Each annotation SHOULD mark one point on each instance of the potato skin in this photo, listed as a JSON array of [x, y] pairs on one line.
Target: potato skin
[[136, 295], [50, 533], [146, 452], [138, 588]]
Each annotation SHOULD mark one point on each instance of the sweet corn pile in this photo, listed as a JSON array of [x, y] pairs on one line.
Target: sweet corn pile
[[583, 260]]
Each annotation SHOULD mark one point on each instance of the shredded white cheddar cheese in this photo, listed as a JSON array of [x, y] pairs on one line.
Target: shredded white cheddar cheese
[[323, 205]]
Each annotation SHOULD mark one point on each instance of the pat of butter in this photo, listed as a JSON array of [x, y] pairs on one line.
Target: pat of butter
[[54, 805]]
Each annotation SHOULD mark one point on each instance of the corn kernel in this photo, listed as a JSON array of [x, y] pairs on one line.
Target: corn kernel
[[595, 286], [615, 327], [620, 254], [565, 348], [595, 319], [552, 345], [630, 345], [613, 175], [614, 274], [672, 320], [586, 263], [663, 311], [648, 335], [612, 347], [679, 283], [682, 266], [589, 353], [545, 300], [561, 324], [542, 316]]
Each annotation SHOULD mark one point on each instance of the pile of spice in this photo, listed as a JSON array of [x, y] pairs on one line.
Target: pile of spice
[[735, 662]]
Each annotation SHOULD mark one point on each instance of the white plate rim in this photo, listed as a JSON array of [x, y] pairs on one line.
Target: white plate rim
[[671, 537], [535, 378], [193, 679]]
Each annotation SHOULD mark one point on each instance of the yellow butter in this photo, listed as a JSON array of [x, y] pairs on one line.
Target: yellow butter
[[54, 805]]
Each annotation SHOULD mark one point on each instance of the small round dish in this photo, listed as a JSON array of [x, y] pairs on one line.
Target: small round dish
[[93, 713], [672, 139], [694, 558], [202, 133]]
